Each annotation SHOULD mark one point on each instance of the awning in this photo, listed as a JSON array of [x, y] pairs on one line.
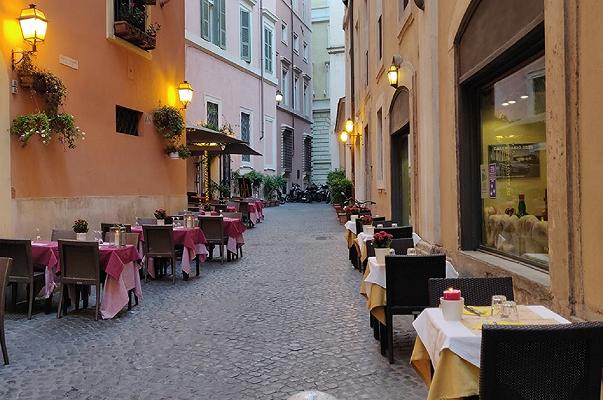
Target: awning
[[205, 137], [232, 148]]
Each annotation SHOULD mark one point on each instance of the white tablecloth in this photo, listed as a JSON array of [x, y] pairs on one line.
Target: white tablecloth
[[363, 238], [377, 272], [351, 226], [438, 334]]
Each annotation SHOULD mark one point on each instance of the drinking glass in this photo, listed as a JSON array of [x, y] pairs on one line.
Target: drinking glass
[[394, 225], [509, 310], [497, 304], [37, 235], [411, 251], [379, 225]]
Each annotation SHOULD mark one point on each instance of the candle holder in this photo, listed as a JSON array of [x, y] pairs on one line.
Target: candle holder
[[452, 310]]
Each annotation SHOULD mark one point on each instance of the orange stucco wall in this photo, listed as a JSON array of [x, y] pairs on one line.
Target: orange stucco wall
[[110, 73]]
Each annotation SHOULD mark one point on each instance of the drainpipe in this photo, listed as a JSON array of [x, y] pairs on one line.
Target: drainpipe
[[293, 89], [352, 96], [262, 67]]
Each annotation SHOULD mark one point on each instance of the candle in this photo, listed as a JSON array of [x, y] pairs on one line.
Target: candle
[[452, 294]]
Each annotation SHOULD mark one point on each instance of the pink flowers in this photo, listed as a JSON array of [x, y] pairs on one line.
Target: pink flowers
[[160, 213], [366, 219], [382, 240]]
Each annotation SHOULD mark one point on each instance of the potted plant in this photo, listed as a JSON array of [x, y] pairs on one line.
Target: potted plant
[[353, 212], [26, 70], [169, 122], [25, 126], [177, 152], [367, 224], [80, 227], [382, 242], [160, 215]]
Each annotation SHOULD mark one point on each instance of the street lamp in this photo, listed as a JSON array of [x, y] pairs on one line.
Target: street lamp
[[279, 97], [349, 125], [392, 76], [185, 93], [343, 136], [33, 24]]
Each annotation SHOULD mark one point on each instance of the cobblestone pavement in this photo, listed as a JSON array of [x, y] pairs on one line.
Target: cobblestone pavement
[[286, 317]]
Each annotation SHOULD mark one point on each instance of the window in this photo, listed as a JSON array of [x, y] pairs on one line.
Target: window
[[295, 43], [268, 49], [130, 20], [285, 86], [284, 33], [213, 21], [127, 120], [308, 154], [306, 107], [246, 133], [305, 52], [379, 146], [296, 92], [287, 151], [513, 164], [245, 24], [380, 37], [213, 115]]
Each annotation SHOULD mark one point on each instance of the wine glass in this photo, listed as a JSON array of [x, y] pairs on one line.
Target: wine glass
[[37, 235], [497, 304]]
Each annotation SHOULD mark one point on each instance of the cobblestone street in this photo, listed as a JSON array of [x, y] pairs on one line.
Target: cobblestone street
[[286, 317]]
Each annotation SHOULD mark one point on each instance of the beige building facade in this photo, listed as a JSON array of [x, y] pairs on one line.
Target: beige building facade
[[488, 146]]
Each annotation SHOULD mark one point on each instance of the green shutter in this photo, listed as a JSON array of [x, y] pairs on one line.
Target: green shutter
[[222, 42], [245, 46], [205, 19]]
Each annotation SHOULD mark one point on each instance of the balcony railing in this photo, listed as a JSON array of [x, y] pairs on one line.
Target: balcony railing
[[130, 23]]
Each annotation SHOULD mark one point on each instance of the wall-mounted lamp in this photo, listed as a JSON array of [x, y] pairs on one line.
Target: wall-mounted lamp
[[33, 24], [349, 125], [185, 93], [343, 136], [279, 97], [393, 73]]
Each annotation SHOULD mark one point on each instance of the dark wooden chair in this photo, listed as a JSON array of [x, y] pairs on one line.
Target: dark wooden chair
[[80, 266], [398, 232], [385, 223], [407, 290], [62, 234], [475, 291], [159, 245], [401, 246], [244, 209], [561, 362], [213, 229], [22, 271], [5, 266]]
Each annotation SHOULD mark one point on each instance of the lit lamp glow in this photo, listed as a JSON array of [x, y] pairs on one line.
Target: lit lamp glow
[[279, 96], [185, 93], [33, 25], [392, 76], [343, 136], [349, 125]]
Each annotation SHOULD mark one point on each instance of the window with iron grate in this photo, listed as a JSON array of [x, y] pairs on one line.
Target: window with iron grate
[[127, 120]]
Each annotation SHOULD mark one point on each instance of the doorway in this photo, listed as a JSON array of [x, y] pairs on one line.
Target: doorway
[[400, 176]]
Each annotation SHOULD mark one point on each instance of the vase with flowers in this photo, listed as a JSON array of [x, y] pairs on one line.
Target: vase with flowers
[[382, 242], [160, 215], [80, 227], [367, 224]]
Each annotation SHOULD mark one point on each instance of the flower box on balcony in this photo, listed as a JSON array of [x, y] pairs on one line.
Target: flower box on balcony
[[134, 35]]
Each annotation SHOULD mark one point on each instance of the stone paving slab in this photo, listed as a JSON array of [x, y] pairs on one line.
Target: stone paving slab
[[285, 318]]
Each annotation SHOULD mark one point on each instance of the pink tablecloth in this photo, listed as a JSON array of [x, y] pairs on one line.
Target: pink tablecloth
[[120, 264], [234, 228], [193, 241]]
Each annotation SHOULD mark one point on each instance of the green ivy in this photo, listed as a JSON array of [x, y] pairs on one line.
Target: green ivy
[[169, 122], [25, 126]]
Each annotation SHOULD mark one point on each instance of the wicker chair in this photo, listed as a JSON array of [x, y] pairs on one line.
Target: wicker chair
[[159, 245], [561, 362], [476, 291], [378, 220], [5, 266], [80, 265], [386, 224], [146, 221], [22, 271], [62, 234], [398, 232], [213, 229], [407, 292], [401, 246]]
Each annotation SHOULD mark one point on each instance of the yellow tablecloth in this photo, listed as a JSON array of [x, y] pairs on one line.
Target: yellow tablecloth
[[376, 296], [349, 237]]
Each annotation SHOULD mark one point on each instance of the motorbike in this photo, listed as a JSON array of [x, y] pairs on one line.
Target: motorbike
[[295, 194]]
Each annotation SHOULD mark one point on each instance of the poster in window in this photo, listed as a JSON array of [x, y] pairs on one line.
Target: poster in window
[[516, 160]]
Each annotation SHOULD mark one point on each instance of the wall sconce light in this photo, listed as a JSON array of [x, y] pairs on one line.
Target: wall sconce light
[[343, 136], [33, 24], [185, 93], [279, 97], [349, 125], [393, 73]]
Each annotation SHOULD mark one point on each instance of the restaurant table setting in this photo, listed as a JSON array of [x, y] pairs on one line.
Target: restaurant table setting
[[192, 239], [362, 238], [256, 211], [449, 339], [234, 228], [373, 286], [121, 264]]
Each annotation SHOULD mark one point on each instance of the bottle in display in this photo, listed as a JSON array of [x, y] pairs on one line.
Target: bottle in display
[[521, 206]]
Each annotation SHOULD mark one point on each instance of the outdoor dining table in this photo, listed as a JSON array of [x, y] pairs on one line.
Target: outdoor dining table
[[362, 238], [234, 228], [121, 265], [373, 286], [453, 348], [192, 239]]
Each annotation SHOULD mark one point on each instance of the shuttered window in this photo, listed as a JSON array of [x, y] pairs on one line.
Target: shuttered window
[[287, 150], [245, 133], [308, 155], [245, 35], [213, 21], [268, 49], [205, 7]]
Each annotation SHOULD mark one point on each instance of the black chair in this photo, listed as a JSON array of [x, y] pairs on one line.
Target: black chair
[[358, 226], [378, 220], [22, 271], [5, 266], [386, 224], [401, 246], [106, 227], [159, 245], [476, 291], [398, 232], [146, 221], [407, 290], [561, 362], [80, 265], [213, 229], [62, 234]]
